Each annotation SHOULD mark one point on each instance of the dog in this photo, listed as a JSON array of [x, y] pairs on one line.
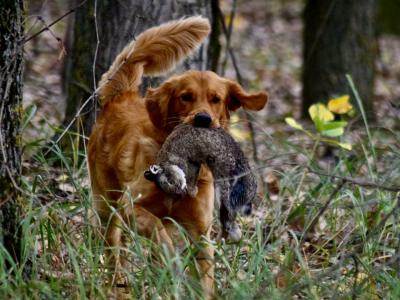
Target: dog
[[131, 129], [178, 166]]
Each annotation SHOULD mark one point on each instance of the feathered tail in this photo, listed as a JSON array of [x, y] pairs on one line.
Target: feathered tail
[[155, 51]]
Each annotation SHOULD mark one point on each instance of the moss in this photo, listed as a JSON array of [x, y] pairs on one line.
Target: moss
[[18, 140], [19, 109]]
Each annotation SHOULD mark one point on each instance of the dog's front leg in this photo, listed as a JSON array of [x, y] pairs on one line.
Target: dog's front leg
[[151, 227], [205, 262], [126, 217], [196, 215], [145, 223]]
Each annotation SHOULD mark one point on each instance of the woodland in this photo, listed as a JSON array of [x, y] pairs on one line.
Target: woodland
[[325, 149]]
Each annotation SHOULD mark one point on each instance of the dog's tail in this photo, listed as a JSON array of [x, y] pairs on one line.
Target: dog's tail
[[155, 51]]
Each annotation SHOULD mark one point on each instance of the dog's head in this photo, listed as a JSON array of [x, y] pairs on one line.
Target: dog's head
[[202, 99]]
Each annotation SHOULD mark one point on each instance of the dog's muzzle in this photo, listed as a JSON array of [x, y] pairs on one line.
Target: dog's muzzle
[[202, 119]]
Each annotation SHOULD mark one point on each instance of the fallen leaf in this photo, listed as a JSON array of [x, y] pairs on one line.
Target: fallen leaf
[[272, 184]]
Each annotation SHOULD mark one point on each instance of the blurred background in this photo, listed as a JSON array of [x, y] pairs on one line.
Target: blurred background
[[299, 51]]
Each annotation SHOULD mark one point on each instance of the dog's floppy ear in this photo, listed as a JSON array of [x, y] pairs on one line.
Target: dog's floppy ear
[[157, 101], [238, 97]]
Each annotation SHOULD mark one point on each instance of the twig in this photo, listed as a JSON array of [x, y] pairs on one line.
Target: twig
[[299, 186], [356, 181], [240, 80], [228, 37], [73, 120], [229, 48], [59, 40], [47, 27], [321, 211], [354, 292], [95, 54]]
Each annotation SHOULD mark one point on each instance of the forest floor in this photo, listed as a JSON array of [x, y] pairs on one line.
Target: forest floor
[[328, 223]]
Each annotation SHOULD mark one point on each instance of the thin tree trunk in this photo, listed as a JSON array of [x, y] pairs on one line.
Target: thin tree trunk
[[339, 39], [11, 69], [214, 46], [118, 22]]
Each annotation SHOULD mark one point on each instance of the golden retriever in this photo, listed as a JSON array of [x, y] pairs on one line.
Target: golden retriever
[[131, 129]]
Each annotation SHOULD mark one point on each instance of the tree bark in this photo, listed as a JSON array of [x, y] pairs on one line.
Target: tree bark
[[118, 22], [11, 69], [214, 45], [339, 39]]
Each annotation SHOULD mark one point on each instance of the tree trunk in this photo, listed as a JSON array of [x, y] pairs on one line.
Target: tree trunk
[[118, 22], [339, 39], [388, 13], [11, 66]]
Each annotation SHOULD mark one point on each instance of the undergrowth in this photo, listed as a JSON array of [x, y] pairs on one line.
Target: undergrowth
[[327, 228]]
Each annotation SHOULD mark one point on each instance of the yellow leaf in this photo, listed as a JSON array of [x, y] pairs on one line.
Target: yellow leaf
[[234, 119], [319, 113], [346, 146], [293, 123], [340, 105], [238, 22], [238, 133]]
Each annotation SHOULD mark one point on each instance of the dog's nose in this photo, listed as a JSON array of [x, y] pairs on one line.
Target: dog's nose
[[202, 119]]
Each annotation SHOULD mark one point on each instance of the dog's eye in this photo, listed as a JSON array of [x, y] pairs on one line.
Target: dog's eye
[[187, 97], [216, 99]]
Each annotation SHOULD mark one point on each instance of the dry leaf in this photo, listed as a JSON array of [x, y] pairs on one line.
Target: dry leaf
[[272, 184]]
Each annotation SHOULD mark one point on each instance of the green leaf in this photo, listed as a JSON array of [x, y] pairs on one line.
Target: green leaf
[[333, 129], [293, 123], [333, 132], [29, 113]]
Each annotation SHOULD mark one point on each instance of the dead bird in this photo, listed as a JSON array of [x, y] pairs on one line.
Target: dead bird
[[178, 166]]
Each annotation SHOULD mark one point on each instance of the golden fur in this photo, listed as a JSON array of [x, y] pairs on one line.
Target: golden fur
[[131, 130]]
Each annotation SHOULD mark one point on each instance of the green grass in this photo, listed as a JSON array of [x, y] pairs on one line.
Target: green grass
[[351, 252]]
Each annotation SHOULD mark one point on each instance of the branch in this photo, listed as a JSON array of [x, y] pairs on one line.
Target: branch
[[356, 181], [228, 37], [47, 27], [229, 48], [240, 80]]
